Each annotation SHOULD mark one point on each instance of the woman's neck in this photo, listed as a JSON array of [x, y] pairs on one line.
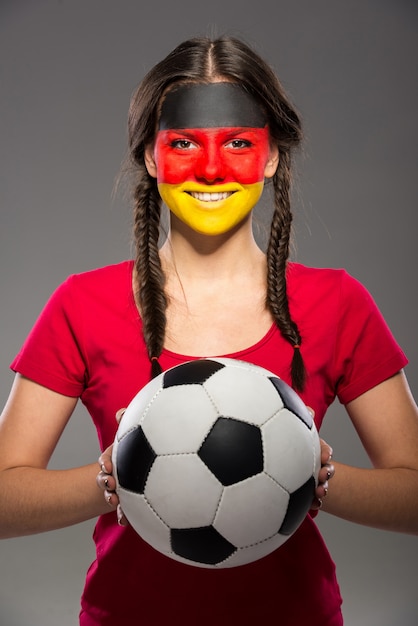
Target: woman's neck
[[216, 289], [193, 256]]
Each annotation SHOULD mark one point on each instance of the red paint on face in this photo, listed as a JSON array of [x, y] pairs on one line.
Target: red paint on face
[[212, 155]]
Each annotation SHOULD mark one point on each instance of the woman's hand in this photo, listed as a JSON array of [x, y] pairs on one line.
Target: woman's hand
[[325, 474], [107, 482]]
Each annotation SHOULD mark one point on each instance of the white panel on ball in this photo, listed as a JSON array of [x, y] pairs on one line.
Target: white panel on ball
[[254, 553], [285, 439], [146, 522], [183, 491], [172, 424], [256, 402], [138, 407], [262, 521]]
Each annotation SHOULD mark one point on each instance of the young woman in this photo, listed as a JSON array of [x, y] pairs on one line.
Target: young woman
[[207, 126]]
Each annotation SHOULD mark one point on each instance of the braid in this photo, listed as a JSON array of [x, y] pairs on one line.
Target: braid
[[152, 299], [277, 255]]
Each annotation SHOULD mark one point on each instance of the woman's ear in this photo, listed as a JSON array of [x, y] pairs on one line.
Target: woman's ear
[[272, 163], [150, 161]]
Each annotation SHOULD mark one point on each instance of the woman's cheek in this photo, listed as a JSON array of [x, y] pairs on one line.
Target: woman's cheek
[[247, 170], [175, 170]]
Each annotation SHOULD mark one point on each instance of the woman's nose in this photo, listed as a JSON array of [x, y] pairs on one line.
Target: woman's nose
[[210, 167]]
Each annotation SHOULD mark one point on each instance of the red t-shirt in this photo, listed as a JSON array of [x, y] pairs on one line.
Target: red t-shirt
[[88, 343]]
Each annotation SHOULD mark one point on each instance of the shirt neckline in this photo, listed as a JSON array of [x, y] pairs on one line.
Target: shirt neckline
[[231, 355]]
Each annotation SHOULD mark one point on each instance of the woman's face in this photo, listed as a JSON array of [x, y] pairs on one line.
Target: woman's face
[[211, 155]]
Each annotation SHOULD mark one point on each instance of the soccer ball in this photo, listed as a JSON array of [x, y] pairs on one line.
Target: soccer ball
[[216, 462]]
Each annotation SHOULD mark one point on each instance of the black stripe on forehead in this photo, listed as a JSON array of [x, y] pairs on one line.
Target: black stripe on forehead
[[213, 105]]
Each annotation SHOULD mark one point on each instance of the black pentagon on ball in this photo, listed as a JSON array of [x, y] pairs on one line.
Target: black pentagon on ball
[[233, 450], [300, 502], [292, 401], [201, 545], [191, 373], [134, 459]]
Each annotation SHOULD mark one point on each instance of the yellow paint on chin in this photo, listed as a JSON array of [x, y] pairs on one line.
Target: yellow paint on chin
[[211, 218]]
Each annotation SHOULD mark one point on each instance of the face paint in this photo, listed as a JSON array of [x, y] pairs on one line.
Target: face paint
[[211, 105], [210, 155]]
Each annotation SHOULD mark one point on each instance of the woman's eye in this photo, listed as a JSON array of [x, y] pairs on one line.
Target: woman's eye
[[182, 144], [239, 143]]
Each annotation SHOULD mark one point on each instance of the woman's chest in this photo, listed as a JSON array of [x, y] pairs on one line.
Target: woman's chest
[[216, 328]]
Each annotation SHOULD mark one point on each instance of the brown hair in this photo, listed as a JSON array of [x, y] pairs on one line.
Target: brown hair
[[200, 60]]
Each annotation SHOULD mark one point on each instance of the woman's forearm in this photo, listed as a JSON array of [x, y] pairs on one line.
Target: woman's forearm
[[38, 500], [380, 498]]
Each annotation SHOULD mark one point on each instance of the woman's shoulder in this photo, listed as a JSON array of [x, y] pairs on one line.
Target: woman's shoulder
[[94, 288], [114, 279], [100, 275], [324, 287], [301, 276], [300, 271]]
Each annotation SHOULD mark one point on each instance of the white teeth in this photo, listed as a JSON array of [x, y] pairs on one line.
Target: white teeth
[[210, 197]]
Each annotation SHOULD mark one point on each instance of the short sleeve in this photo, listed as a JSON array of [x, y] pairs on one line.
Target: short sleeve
[[366, 352], [52, 354]]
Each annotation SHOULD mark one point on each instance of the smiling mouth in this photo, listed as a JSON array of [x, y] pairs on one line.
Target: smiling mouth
[[206, 196]]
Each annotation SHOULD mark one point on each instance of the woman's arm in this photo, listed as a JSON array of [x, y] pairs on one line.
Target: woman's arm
[[35, 499], [386, 497]]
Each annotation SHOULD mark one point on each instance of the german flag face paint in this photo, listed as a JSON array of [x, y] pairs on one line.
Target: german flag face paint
[[211, 155]]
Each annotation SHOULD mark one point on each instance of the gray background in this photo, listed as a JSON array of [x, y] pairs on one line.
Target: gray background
[[67, 70]]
